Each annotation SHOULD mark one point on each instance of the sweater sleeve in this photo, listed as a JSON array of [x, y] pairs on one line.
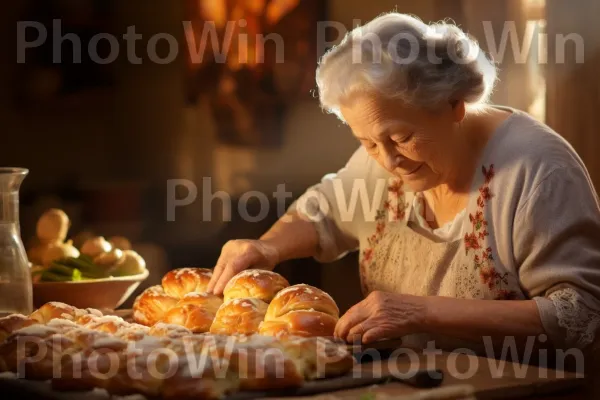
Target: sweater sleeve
[[557, 248], [331, 208]]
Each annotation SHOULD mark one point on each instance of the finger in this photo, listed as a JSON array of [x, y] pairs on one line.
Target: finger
[[355, 334], [342, 322], [373, 335], [357, 331], [223, 279], [217, 271], [231, 269], [355, 315]]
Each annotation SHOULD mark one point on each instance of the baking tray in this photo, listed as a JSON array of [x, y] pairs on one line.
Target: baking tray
[[11, 387]]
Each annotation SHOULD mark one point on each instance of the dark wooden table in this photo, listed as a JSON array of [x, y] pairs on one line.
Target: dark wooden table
[[466, 377]]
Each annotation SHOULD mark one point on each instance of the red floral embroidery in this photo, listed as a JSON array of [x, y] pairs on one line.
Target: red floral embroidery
[[393, 209], [471, 242], [482, 257], [367, 254]]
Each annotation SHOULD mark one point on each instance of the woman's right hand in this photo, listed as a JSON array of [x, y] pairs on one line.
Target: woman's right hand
[[238, 255]]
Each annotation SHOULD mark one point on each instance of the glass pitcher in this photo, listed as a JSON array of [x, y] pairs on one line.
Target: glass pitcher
[[15, 276]]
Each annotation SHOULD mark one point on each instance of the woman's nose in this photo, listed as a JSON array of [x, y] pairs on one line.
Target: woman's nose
[[391, 160]]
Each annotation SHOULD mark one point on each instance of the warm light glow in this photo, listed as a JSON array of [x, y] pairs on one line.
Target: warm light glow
[[256, 7], [537, 77], [534, 9], [214, 10], [247, 19], [279, 8]]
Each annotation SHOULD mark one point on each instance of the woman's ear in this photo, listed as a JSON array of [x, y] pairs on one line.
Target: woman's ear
[[458, 110]]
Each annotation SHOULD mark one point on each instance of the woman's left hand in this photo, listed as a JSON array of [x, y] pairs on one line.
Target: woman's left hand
[[382, 315]]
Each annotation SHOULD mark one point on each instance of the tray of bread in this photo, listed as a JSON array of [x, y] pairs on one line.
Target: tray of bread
[[262, 336]]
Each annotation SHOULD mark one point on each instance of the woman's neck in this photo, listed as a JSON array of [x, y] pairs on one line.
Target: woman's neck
[[474, 134], [448, 198]]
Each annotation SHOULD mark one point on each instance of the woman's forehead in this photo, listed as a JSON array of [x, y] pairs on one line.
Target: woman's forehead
[[378, 117]]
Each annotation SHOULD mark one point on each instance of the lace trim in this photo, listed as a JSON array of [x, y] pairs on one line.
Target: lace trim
[[580, 321]]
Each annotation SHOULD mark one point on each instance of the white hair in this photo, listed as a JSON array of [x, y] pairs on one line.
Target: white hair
[[400, 57]]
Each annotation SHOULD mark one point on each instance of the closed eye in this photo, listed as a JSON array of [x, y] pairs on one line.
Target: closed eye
[[404, 139], [368, 144]]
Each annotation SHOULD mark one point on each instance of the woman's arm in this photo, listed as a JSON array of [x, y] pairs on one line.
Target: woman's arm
[[384, 315], [290, 237], [293, 236], [326, 236], [475, 320]]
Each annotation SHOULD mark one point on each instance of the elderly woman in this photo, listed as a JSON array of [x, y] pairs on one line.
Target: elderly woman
[[472, 220]]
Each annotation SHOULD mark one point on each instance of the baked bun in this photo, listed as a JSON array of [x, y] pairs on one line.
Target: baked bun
[[195, 311], [14, 322], [301, 310], [81, 354], [179, 282], [170, 331], [318, 357], [255, 283], [181, 299], [304, 323], [239, 316], [152, 305], [107, 323], [208, 301], [55, 309]]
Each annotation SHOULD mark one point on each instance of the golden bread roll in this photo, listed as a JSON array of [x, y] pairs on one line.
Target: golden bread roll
[[301, 297], [22, 346], [169, 369], [152, 305], [171, 331], [181, 300], [82, 349], [131, 332], [255, 283], [140, 368], [179, 282], [88, 339], [195, 311], [318, 357], [208, 301], [73, 342], [301, 310], [55, 309], [239, 316], [265, 369], [12, 323], [63, 325], [303, 323], [194, 318], [101, 350], [204, 379], [107, 323]]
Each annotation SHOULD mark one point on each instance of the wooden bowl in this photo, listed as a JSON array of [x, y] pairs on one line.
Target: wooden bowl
[[108, 293]]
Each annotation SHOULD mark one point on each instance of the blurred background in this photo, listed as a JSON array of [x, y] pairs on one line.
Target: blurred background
[[101, 141]]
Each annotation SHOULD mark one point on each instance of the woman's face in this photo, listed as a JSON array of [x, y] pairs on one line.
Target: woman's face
[[413, 144]]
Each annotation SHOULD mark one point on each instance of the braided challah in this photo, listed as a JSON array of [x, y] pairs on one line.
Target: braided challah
[[255, 301], [80, 350], [181, 300], [300, 310], [255, 283], [239, 316]]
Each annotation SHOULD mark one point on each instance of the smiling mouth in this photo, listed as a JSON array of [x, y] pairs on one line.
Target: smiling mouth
[[414, 171]]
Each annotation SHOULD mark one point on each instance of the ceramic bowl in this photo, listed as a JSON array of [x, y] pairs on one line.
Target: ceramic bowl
[[108, 293]]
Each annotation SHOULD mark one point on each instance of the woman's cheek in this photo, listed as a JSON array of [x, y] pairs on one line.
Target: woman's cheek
[[415, 151]]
